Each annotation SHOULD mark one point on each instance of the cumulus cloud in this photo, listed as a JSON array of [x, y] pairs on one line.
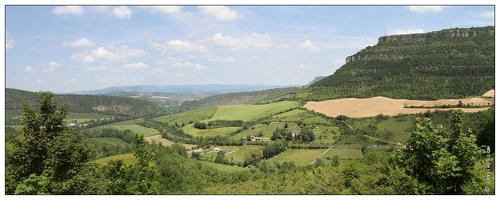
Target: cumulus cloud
[[122, 12], [173, 11], [303, 67], [486, 14], [179, 75], [28, 69], [407, 31], [9, 44], [84, 42], [51, 66], [100, 8], [67, 10], [157, 71], [139, 65], [307, 45], [221, 13], [189, 65], [424, 9], [212, 57], [112, 80], [247, 42], [177, 46], [111, 53], [98, 68], [39, 81]]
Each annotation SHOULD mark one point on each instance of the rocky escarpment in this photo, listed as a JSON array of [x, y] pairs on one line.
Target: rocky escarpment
[[417, 37]]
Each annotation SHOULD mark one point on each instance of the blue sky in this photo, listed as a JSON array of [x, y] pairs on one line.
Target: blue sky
[[64, 49]]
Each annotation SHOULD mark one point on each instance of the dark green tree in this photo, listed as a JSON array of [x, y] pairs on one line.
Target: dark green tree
[[51, 158], [440, 161]]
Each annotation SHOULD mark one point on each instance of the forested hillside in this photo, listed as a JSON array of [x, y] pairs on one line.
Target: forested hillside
[[451, 63], [122, 106], [235, 98]]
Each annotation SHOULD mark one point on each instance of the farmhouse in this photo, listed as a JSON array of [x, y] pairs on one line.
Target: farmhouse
[[295, 132], [261, 139]]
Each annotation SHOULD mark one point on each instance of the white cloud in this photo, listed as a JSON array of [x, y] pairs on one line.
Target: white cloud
[[173, 11], [72, 80], [98, 68], [247, 42], [178, 46], [111, 53], [424, 9], [486, 14], [307, 45], [303, 67], [168, 61], [157, 72], [51, 66], [39, 81], [67, 10], [179, 74], [407, 31], [33, 48], [189, 65], [9, 44], [212, 57], [100, 8], [221, 13], [340, 61], [122, 12], [84, 42], [139, 65], [28, 69], [112, 80]]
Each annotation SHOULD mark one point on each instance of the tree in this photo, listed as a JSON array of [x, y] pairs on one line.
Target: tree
[[486, 130], [439, 160], [253, 156], [50, 156], [220, 157]]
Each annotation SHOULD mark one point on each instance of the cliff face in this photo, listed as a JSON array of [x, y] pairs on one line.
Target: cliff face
[[421, 37]]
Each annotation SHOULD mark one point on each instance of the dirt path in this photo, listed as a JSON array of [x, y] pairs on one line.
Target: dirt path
[[321, 155]]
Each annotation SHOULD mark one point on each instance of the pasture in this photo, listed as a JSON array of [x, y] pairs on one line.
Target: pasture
[[190, 129], [344, 153], [239, 155], [128, 158], [254, 130], [222, 167], [130, 125], [326, 134], [299, 156], [111, 141], [157, 139], [82, 117], [189, 116], [248, 112]]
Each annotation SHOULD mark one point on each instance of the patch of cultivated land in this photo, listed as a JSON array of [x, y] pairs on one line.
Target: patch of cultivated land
[[247, 112], [239, 155], [128, 158], [190, 129], [490, 93], [299, 156], [164, 142], [370, 107], [130, 125], [343, 153], [186, 117], [112, 141], [222, 167], [254, 130]]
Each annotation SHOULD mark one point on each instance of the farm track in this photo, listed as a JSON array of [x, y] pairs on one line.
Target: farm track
[[321, 155], [399, 145]]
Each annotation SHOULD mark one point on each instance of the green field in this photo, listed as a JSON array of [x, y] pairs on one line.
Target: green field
[[222, 167], [128, 158], [130, 125], [190, 129], [186, 117], [344, 153], [239, 156], [247, 112], [254, 130], [326, 134], [112, 141], [82, 117], [400, 128], [299, 156], [315, 120]]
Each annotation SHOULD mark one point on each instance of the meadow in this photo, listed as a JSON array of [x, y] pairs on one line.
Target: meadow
[[130, 125], [344, 153], [222, 167], [190, 129], [248, 112], [111, 141], [188, 116], [128, 158], [299, 156]]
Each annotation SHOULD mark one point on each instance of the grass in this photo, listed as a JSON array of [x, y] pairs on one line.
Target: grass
[[315, 120], [228, 148], [247, 112], [269, 132], [344, 153], [325, 132], [190, 129], [254, 130], [128, 158], [82, 117], [222, 167], [186, 117], [239, 156], [130, 125], [112, 141], [299, 156]]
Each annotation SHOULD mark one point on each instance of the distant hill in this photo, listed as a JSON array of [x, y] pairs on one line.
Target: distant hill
[[209, 88], [236, 98], [451, 63], [109, 105], [316, 79]]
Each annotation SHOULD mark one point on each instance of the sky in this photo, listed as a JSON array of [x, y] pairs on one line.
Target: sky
[[74, 48]]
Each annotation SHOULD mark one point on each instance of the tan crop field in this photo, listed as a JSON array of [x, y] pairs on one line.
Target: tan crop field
[[370, 107]]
